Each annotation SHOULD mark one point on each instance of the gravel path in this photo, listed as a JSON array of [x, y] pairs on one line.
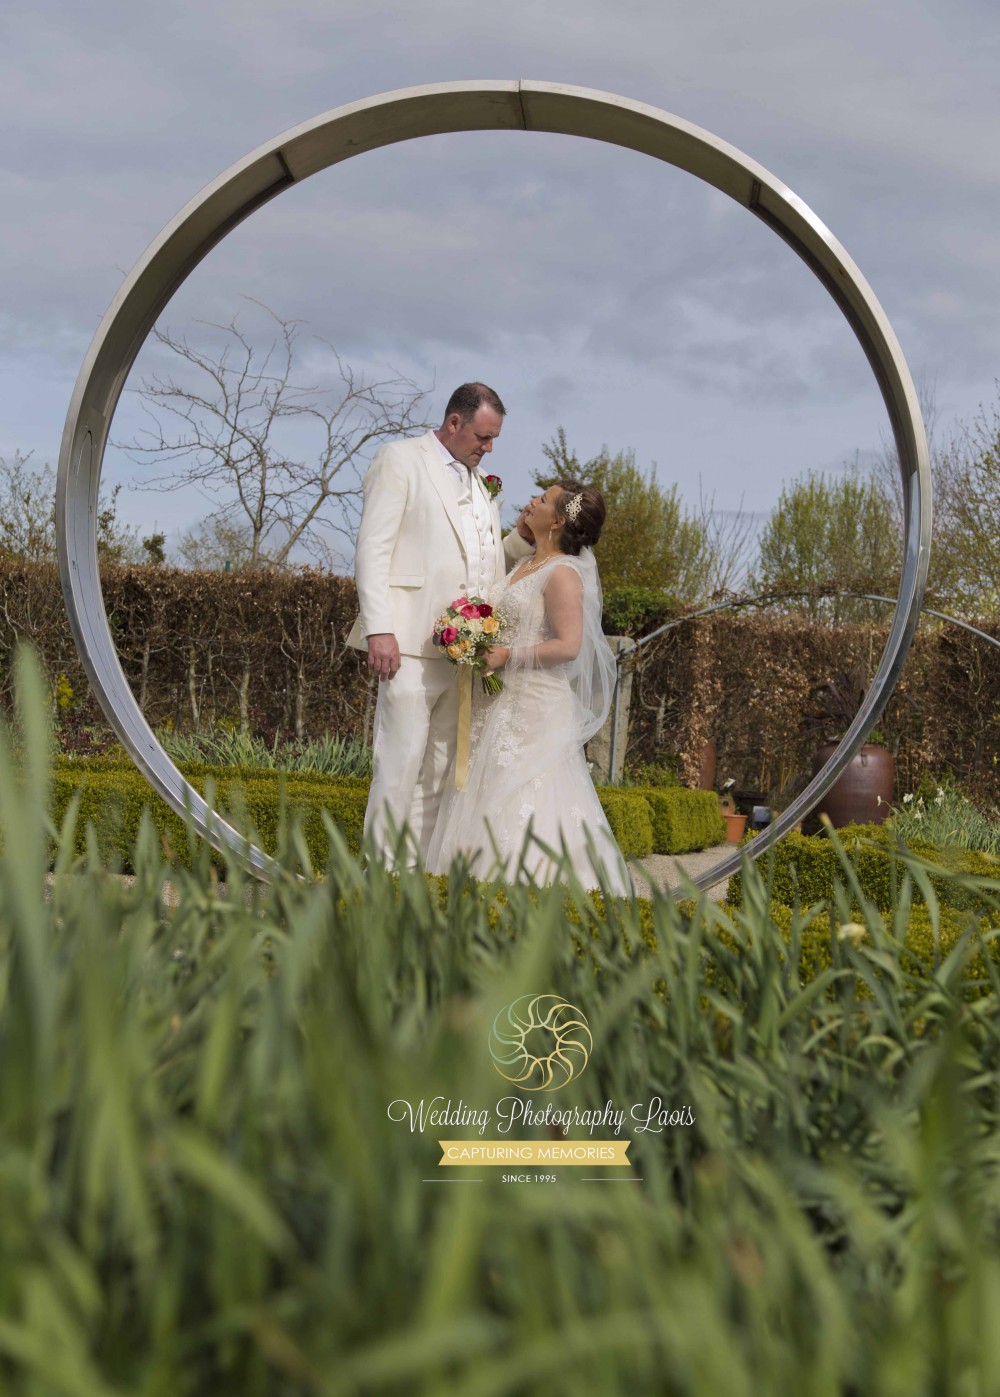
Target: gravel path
[[664, 870]]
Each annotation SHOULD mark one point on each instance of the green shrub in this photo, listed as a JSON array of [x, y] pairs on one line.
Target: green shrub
[[917, 943], [113, 794], [806, 868], [636, 611], [113, 798], [628, 813], [684, 820]]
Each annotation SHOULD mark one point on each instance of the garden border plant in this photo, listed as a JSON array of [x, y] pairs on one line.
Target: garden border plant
[[114, 797]]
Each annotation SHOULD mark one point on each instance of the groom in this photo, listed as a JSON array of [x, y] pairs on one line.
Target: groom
[[429, 533]]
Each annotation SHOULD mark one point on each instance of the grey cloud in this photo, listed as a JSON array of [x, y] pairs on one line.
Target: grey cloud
[[587, 275]]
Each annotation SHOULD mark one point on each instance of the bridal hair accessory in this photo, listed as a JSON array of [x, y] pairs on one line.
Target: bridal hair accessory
[[573, 507]]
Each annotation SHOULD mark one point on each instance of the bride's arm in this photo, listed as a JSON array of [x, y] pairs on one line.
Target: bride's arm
[[563, 598]]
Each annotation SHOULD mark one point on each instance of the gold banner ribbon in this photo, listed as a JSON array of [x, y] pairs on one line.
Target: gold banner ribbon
[[459, 1154], [464, 726]]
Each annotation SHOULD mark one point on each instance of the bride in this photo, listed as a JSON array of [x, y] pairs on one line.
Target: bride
[[527, 771]]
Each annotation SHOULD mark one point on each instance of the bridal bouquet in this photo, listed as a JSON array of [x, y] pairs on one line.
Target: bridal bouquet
[[468, 630]]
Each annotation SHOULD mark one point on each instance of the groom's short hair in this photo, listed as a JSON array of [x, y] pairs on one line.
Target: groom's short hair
[[469, 398]]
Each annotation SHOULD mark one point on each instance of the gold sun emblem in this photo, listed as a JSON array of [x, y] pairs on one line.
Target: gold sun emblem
[[540, 1042]]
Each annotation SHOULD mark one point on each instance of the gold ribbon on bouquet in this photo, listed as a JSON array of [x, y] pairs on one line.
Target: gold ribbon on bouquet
[[464, 726]]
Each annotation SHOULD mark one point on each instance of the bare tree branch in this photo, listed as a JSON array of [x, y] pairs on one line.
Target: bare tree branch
[[729, 543], [28, 516], [231, 422]]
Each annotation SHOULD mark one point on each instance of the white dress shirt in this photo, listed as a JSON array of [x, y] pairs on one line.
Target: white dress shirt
[[477, 523]]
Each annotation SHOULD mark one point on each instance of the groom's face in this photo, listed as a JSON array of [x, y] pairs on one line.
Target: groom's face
[[470, 441]]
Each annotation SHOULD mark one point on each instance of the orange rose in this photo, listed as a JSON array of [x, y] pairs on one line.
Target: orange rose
[[489, 625]]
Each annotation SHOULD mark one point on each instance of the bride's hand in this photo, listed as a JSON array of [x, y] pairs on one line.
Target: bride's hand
[[497, 657]]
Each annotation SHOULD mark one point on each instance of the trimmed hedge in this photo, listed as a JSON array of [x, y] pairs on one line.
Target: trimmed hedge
[[922, 950], [272, 635], [657, 819], [683, 820], [630, 818], [821, 944], [113, 795], [113, 799], [866, 957], [919, 949], [806, 867], [119, 760]]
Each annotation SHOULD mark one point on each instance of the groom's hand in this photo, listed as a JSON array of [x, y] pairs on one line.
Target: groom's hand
[[522, 527], [383, 655]]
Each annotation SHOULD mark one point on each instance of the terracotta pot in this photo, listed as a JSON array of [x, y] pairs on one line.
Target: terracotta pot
[[735, 827], [706, 767], [863, 794]]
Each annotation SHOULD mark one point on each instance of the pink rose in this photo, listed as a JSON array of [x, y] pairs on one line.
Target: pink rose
[[469, 611], [448, 636], [458, 603]]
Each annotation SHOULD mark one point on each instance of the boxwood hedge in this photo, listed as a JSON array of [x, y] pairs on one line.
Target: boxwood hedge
[[112, 795], [806, 868], [683, 820]]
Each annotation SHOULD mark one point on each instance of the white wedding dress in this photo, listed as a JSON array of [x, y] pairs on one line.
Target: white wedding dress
[[529, 800]]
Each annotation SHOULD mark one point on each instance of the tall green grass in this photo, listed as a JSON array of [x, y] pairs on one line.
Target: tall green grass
[[941, 813], [329, 755], [201, 1191]]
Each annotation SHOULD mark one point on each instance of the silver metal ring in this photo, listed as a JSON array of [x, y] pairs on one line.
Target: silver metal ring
[[382, 121]]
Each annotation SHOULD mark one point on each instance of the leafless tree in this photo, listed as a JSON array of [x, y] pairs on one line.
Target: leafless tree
[[885, 467], [965, 564], [236, 420], [216, 542], [28, 516], [965, 475], [730, 541]]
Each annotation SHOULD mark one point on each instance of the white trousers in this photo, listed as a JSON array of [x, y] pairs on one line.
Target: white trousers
[[416, 723]]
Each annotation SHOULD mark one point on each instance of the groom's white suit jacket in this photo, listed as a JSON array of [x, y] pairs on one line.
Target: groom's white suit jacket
[[410, 561]]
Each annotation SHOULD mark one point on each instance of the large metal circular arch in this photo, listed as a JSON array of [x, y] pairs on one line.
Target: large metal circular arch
[[369, 125]]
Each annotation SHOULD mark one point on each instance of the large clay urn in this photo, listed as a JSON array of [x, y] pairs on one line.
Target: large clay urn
[[862, 795]]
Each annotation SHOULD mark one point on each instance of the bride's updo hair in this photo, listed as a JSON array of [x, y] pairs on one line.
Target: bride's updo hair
[[584, 529]]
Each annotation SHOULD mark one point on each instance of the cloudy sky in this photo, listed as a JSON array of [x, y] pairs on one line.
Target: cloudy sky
[[594, 288]]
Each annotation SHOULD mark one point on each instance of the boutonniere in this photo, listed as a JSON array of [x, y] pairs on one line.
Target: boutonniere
[[494, 485]]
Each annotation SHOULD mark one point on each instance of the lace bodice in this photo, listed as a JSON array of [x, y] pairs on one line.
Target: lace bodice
[[527, 770], [522, 606]]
